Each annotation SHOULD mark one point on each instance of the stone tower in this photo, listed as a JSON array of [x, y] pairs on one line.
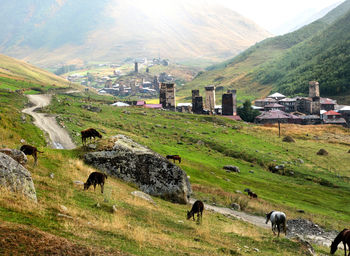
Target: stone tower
[[167, 96], [156, 83], [314, 94], [210, 98], [229, 103], [136, 67], [195, 93], [314, 89], [197, 102]]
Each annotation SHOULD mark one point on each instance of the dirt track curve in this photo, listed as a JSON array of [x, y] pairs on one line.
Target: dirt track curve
[[321, 239], [59, 137]]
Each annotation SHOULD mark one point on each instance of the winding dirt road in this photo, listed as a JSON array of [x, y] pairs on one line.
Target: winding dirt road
[[260, 222], [59, 137]]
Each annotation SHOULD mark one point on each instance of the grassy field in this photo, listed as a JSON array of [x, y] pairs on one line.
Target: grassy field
[[319, 185], [138, 227]]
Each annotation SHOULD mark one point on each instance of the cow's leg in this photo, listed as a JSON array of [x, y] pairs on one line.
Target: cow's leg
[[279, 229], [94, 186], [273, 228], [102, 187], [35, 158], [345, 248]]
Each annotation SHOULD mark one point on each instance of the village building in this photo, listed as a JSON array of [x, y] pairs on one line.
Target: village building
[[310, 119], [289, 104], [332, 117], [345, 112], [263, 102], [276, 96], [277, 116], [184, 107], [328, 104], [274, 106], [153, 106]]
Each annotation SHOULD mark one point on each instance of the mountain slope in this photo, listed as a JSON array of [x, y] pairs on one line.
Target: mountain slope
[[288, 62], [19, 70], [68, 31]]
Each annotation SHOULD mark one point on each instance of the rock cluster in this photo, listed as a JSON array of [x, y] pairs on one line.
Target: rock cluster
[[231, 168], [15, 177], [15, 154], [151, 172]]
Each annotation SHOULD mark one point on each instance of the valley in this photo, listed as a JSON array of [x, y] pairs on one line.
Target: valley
[[162, 104]]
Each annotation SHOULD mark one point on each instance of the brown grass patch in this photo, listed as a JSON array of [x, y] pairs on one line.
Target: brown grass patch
[[21, 240]]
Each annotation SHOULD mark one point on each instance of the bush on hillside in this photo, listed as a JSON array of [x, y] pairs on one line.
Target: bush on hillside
[[322, 152], [247, 113], [288, 139]]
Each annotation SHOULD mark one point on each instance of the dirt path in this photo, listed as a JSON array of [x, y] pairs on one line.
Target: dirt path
[[59, 137], [307, 230]]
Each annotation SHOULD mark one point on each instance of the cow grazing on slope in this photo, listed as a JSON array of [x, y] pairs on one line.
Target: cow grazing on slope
[[89, 133], [31, 150], [198, 208], [174, 157], [95, 178]]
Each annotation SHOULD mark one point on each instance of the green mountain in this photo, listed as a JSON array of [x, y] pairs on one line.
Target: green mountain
[[74, 31], [319, 51], [16, 74]]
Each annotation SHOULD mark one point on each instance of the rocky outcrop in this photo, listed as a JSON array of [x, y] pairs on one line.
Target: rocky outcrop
[[16, 154], [15, 177], [134, 163]]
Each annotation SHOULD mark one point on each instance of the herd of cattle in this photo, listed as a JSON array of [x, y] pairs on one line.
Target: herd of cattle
[[278, 219]]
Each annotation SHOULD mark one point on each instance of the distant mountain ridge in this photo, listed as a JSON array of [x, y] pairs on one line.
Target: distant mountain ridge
[[21, 71], [73, 31], [319, 51]]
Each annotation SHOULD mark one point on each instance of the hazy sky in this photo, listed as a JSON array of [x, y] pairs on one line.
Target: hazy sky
[[271, 13]]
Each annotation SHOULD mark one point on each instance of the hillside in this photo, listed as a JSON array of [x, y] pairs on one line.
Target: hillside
[[319, 185], [16, 74], [286, 63], [73, 32]]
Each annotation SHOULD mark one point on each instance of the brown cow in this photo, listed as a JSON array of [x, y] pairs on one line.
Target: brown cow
[[174, 157], [198, 208], [95, 178], [31, 150], [89, 133]]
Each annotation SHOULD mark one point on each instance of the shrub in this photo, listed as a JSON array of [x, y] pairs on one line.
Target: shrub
[[288, 139], [322, 152]]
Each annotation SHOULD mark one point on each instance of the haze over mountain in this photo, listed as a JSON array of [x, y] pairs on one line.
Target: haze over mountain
[[319, 51], [72, 31], [306, 17]]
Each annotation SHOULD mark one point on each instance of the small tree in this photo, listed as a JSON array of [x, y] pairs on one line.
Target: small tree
[[247, 113]]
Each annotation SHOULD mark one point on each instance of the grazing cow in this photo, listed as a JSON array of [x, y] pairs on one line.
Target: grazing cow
[[252, 194], [89, 133], [174, 157], [31, 150], [277, 219], [343, 236], [95, 178], [198, 208]]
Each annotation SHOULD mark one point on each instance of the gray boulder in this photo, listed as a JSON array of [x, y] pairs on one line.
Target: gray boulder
[[143, 196], [151, 172], [231, 168], [235, 206], [15, 177], [15, 154]]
